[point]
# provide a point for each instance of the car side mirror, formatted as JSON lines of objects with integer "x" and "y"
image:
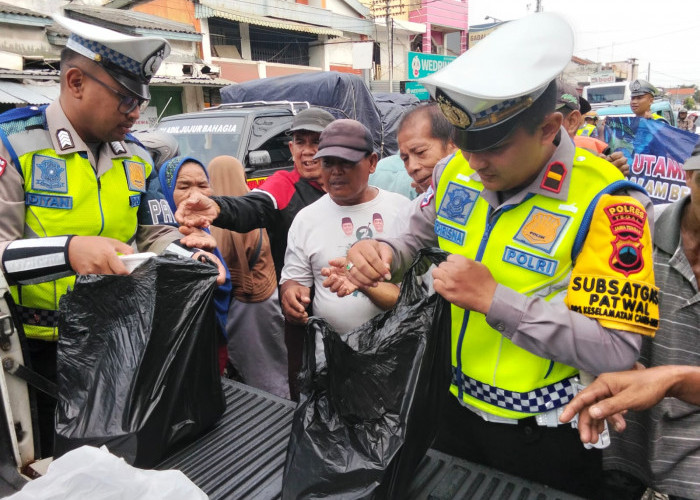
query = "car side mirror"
{"x": 259, "y": 159}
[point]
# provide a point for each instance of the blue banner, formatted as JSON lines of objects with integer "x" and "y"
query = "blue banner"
{"x": 655, "y": 152}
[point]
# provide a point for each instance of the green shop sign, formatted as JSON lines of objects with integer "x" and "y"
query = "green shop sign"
{"x": 421, "y": 65}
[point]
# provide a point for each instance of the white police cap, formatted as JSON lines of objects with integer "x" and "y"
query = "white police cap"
{"x": 484, "y": 88}
{"x": 641, "y": 87}
{"x": 131, "y": 60}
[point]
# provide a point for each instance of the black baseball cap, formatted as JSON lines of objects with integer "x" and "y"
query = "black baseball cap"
{"x": 346, "y": 139}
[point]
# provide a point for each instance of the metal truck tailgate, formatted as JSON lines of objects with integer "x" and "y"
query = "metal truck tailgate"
{"x": 243, "y": 458}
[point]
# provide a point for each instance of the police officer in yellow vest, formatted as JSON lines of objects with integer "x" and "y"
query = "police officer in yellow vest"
{"x": 642, "y": 96}
{"x": 550, "y": 272}
{"x": 588, "y": 129}
{"x": 76, "y": 188}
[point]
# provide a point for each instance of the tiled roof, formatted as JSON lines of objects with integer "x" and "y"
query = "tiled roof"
{"x": 6, "y": 8}
{"x": 129, "y": 18}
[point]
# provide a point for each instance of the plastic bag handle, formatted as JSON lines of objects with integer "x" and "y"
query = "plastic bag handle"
{"x": 411, "y": 290}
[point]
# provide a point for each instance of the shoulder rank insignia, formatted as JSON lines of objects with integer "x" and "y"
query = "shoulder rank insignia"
{"x": 135, "y": 175}
{"x": 117, "y": 148}
{"x": 554, "y": 176}
{"x": 65, "y": 141}
{"x": 49, "y": 174}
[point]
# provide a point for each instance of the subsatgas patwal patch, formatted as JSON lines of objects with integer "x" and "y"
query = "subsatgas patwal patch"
{"x": 49, "y": 174}
{"x": 627, "y": 225}
{"x": 3, "y": 165}
{"x": 135, "y": 175}
{"x": 542, "y": 229}
{"x": 625, "y": 301}
{"x": 458, "y": 203}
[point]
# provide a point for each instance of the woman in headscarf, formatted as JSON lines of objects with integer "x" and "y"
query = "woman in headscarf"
{"x": 179, "y": 177}
{"x": 255, "y": 325}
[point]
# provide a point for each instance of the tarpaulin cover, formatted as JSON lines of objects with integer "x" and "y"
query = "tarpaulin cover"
{"x": 342, "y": 94}
{"x": 367, "y": 419}
{"x": 137, "y": 360}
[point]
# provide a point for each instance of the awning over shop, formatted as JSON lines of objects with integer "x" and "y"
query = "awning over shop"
{"x": 203, "y": 11}
{"x": 18, "y": 93}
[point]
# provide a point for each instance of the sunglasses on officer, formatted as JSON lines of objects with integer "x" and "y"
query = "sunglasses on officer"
{"x": 127, "y": 103}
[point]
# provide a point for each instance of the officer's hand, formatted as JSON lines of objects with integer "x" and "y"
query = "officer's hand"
{"x": 369, "y": 262}
{"x": 295, "y": 299}
{"x": 197, "y": 211}
{"x": 465, "y": 283}
{"x": 198, "y": 238}
{"x": 337, "y": 280}
{"x": 97, "y": 255}
{"x": 203, "y": 256}
{"x": 619, "y": 160}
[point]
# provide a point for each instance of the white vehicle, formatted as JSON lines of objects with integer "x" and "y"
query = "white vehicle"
{"x": 607, "y": 94}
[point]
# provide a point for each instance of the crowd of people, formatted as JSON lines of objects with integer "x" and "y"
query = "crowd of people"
{"x": 560, "y": 270}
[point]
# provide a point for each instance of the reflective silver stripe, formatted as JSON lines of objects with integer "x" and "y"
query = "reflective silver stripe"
{"x": 30, "y": 141}
{"x": 52, "y": 241}
{"x": 38, "y": 262}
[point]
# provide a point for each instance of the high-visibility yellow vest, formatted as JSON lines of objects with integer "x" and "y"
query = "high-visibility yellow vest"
{"x": 586, "y": 130}
{"x": 528, "y": 248}
{"x": 63, "y": 196}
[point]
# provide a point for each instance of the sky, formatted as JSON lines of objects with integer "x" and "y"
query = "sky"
{"x": 664, "y": 36}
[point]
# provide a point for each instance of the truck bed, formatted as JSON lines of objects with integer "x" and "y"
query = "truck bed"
{"x": 243, "y": 458}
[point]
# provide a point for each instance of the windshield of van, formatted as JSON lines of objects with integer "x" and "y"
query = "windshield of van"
{"x": 207, "y": 138}
{"x": 605, "y": 94}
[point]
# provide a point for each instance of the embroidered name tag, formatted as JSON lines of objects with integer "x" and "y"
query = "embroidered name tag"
{"x": 542, "y": 229}
{"x": 449, "y": 233}
{"x": 49, "y": 174}
{"x": 48, "y": 201}
{"x": 530, "y": 261}
{"x": 458, "y": 202}
{"x": 134, "y": 200}
{"x": 135, "y": 175}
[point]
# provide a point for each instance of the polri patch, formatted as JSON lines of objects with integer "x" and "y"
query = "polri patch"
{"x": 554, "y": 176}
{"x": 530, "y": 261}
{"x": 450, "y": 233}
{"x": 458, "y": 203}
{"x": 627, "y": 225}
{"x": 135, "y": 175}
{"x": 135, "y": 200}
{"x": 542, "y": 229}
{"x": 49, "y": 174}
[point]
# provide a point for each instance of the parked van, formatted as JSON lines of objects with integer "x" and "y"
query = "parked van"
{"x": 607, "y": 94}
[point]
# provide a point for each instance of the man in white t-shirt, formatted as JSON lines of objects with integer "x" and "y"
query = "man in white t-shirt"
{"x": 320, "y": 232}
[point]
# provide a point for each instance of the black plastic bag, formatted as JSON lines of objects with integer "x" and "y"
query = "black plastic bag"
{"x": 137, "y": 360}
{"x": 367, "y": 419}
